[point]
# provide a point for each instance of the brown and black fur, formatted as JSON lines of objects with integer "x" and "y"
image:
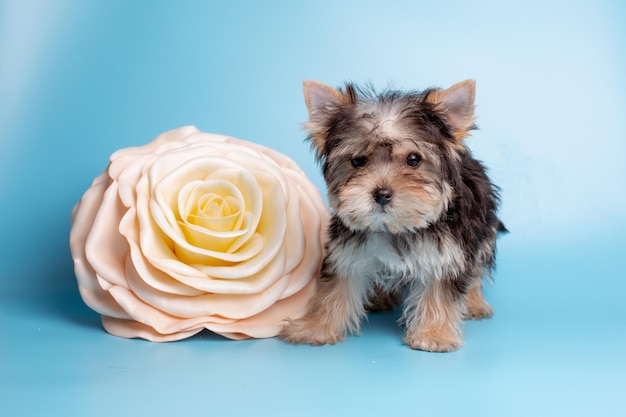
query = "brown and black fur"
{"x": 414, "y": 213}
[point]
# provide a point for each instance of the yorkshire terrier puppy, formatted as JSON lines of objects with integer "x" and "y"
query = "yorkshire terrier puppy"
{"x": 414, "y": 214}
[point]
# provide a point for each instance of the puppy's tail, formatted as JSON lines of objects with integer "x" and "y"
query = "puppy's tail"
{"x": 501, "y": 228}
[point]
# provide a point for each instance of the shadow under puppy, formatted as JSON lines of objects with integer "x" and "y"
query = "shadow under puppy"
{"x": 414, "y": 213}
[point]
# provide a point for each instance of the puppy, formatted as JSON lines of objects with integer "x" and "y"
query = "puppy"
{"x": 414, "y": 214}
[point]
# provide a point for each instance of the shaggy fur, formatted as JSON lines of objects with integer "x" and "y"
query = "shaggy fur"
{"x": 414, "y": 213}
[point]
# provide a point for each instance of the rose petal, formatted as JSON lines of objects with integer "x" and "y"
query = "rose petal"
{"x": 246, "y": 285}
{"x": 131, "y": 329}
{"x": 108, "y": 262}
{"x": 122, "y": 157}
{"x": 155, "y": 277}
{"x": 83, "y": 216}
{"x": 158, "y": 320}
{"x": 308, "y": 261}
{"x": 268, "y": 322}
{"x": 264, "y": 324}
{"x": 227, "y": 305}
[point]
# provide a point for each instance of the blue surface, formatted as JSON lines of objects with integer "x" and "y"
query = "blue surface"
{"x": 79, "y": 80}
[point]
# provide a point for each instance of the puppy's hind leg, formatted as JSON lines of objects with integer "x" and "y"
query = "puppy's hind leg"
{"x": 335, "y": 309}
{"x": 476, "y": 306}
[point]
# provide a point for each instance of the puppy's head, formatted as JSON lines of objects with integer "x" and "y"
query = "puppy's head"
{"x": 390, "y": 160}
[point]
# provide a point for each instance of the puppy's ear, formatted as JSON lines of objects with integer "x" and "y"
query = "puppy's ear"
{"x": 457, "y": 106}
{"x": 321, "y": 102}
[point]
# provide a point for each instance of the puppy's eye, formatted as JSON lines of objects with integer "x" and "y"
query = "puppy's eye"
{"x": 413, "y": 160}
{"x": 359, "y": 161}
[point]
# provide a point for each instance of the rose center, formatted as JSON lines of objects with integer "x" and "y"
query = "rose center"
{"x": 215, "y": 205}
{"x": 215, "y": 212}
{"x": 212, "y": 214}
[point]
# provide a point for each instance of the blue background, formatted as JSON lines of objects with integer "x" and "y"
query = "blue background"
{"x": 80, "y": 79}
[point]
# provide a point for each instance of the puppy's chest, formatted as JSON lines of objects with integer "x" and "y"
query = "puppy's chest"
{"x": 388, "y": 258}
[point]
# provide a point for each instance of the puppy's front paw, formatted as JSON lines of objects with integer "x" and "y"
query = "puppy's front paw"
{"x": 309, "y": 331}
{"x": 439, "y": 339}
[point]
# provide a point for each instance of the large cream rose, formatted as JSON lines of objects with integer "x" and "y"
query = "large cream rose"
{"x": 195, "y": 231}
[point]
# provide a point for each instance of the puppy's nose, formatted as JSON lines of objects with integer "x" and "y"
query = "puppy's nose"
{"x": 383, "y": 196}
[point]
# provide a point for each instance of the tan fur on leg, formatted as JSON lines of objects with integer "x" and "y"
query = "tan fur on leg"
{"x": 336, "y": 309}
{"x": 477, "y": 307}
{"x": 433, "y": 324}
